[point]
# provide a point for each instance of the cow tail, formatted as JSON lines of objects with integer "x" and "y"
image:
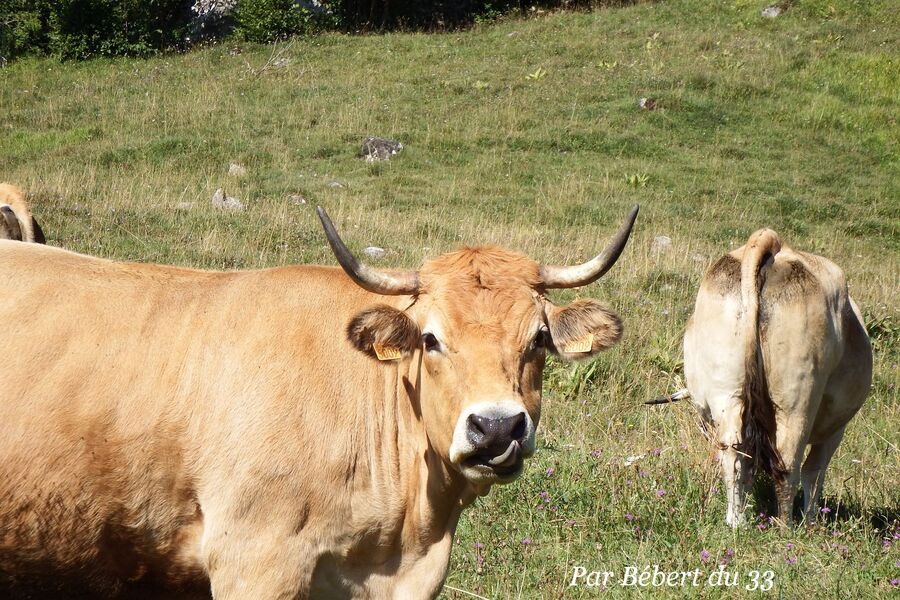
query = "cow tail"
{"x": 10, "y": 223}
{"x": 758, "y": 439}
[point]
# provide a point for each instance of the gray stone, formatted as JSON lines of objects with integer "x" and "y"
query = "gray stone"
{"x": 297, "y": 199}
{"x": 209, "y": 17}
{"x": 770, "y": 12}
{"x": 661, "y": 244}
{"x": 236, "y": 169}
{"x": 376, "y": 148}
{"x": 374, "y": 252}
{"x": 336, "y": 184}
{"x": 647, "y": 103}
{"x": 220, "y": 200}
{"x": 184, "y": 206}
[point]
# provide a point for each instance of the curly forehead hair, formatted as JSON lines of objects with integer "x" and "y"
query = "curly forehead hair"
{"x": 482, "y": 285}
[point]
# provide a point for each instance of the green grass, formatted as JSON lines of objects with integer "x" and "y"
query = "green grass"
{"x": 790, "y": 123}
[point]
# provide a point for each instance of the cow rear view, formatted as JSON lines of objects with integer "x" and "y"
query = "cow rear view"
{"x": 776, "y": 358}
{"x": 16, "y": 220}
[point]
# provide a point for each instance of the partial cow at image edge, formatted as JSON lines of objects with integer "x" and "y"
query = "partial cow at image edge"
{"x": 17, "y": 222}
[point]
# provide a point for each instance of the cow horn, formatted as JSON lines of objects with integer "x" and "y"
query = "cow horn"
{"x": 379, "y": 282}
{"x": 594, "y": 269}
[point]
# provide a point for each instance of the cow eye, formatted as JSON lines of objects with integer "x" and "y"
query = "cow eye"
{"x": 430, "y": 342}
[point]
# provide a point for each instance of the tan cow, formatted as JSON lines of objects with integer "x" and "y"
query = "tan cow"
{"x": 16, "y": 220}
{"x": 776, "y": 357}
{"x": 182, "y": 430}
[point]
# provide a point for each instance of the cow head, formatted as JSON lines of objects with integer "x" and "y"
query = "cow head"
{"x": 479, "y": 325}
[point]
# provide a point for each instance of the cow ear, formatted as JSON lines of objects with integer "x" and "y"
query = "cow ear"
{"x": 582, "y": 329}
{"x": 384, "y": 333}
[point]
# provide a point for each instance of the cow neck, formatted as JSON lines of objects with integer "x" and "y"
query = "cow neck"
{"x": 402, "y": 463}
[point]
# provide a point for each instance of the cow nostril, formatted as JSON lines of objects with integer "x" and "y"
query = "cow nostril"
{"x": 518, "y": 431}
{"x": 475, "y": 424}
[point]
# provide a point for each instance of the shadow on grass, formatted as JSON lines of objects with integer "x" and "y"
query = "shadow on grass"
{"x": 831, "y": 509}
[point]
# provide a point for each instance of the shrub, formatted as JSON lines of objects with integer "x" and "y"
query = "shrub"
{"x": 24, "y": 27}
{"x": 85, "y": 28}
{"x": 271, "y": 20}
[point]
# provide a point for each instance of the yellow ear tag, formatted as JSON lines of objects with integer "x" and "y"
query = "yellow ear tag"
{"x": 384, "y": 352}
{"x": 581, "y": 345}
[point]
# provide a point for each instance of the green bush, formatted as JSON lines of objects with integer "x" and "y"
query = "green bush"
{"x": 271, "y": 20}
{"x": 24, "y": 27}
{"x": 86, "y": 28}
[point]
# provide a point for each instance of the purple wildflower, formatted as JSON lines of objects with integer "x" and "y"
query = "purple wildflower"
{"x": 630, "y": 517}
{"x": 825, "y": 510}
{"x": 660, "y": 493}
{"x": 526, "y": 541}
{"x": 789, "y": 546}
{"x": 791, "y": 560}
{"x": 550, "y": 471}
{"x": 704, "y": 555}
{"x": 729, "y": 554}
{"x": 895, "y": 582}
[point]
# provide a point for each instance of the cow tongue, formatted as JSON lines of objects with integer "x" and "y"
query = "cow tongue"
{"x": 508, "y": 458}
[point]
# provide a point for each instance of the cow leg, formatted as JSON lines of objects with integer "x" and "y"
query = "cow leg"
{"x": 734, "y": 471}
{"x": 791, "y": 445}
{"x": 735, "y": 465}
{"x": 244, "y": 564}
{"x": 813, "y": 473}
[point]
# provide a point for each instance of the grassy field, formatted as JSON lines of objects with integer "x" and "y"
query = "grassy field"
{"x": 528, "y": 133}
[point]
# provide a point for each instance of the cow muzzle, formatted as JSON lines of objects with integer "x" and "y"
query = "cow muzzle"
{"x": 491, "y": 441}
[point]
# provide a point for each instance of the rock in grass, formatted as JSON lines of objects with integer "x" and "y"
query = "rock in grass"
{"x": 220, "y": 200}
{"x": 184, "y": 206}
{"x": 661, "y": 244}
{"x": 376, "y": 148}
{"x": 236, "y": 169}
{"x": 770, "y": 12}
{"x": 647, "y": 103}
{"x": 297, "y": 199}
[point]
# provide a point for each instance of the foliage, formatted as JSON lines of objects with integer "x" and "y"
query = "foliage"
{"x": 272, "y": 20}
{"x": 87, "y": 28}
{"x": 24, "y": 27}
{"x": 78, "y": 29}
